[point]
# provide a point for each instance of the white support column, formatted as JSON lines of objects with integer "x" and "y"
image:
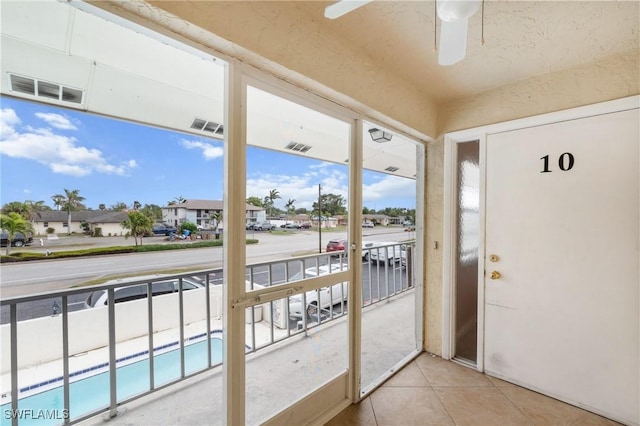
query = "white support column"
{"x": 355, "y": 238}
{"x": 234, "y": 257}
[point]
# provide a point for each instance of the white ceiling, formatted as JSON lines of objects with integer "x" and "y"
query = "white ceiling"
{"x": 522, "y": 39}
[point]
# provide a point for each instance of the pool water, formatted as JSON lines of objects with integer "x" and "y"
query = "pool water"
{"x": 92, "y": 394}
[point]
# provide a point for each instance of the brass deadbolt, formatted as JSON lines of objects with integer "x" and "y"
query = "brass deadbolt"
{"x": 494, "y": 258}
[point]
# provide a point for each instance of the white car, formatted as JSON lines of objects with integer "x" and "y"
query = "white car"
{"x": 329, "y": 296}
{"x": 134, "y": 292}
{"x": 389, "y": 252}
{"x": 367, "y": 224}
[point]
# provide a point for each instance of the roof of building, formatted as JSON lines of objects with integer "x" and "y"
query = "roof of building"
{"x": 89, "y": 216}
{"x": 206, "y": 205}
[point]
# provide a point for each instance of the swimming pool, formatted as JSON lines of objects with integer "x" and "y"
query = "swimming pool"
{"x": 91, "y": 394}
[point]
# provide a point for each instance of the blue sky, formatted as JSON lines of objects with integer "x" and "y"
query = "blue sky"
{"x": 45, "y": 149}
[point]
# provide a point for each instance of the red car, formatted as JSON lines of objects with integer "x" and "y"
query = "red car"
{"x": 336, "y": 245}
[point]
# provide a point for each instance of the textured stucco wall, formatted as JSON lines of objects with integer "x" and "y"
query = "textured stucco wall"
{"x": 616, "y": 77}
{"x": 434, "y": 208}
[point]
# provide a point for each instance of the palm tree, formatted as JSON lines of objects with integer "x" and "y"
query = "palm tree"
{"x": 217, "y": 216}
{"x": 290, "y": 207}
{"x": 139, "y": 224}
{"x": 273, "y": 196}
{"x": 70, "y": 201}
{"x": 23, "y": 209}
{"x": 14, "y": 222}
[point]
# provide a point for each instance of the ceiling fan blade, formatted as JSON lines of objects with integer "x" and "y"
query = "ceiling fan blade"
{"x": 343, "y": 7}
{"x": 453, "y": 41}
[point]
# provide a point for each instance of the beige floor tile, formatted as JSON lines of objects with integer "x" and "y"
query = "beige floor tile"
{"x": 500, "y": 383}
{"x": 355, "y": 415}
{"x": 409, "y": 376}
{"x": 406, "y": 406}
{"x": 542, "y": 410}
{"x": 440, "y": 372}
{"x": 479, "y": 406}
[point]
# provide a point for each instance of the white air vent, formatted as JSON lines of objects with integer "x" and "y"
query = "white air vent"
{"x": 207, "y": 126}
{"x": 299, "y": 147}
{"x": 44, "y": 89}
{"x": 392, "y": 169}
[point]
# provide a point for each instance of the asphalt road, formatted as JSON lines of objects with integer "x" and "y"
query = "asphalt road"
{"x": 44, "y": 276}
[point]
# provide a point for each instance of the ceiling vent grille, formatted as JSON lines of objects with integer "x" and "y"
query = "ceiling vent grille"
{"x": 43, "y": 89}
{"x": 207, "y": 126}
{"x": 299, "y": 147}
{"x": 392, "y": 169}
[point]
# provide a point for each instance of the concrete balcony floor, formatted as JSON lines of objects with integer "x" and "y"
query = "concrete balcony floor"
{"x": 427, "y": 391}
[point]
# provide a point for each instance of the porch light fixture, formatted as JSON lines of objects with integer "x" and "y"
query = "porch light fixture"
{"x": 380, "y": 136}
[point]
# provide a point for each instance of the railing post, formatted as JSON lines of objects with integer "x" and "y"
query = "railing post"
{"x": 65, "y": 359}
{"x": 207, "y": 293}
{"x": 113, "y": 406}
{"x": 150, "y": 331}
{"x": 181, "y": 302}
{"x": 13, "y": 314}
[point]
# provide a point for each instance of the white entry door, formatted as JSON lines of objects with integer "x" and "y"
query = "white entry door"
{"x": 562, "y": 261}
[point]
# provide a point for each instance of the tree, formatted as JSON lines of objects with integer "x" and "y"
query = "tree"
{"x": 255, "y": 201}
{"x": 290, "y": 207}
{"x": 218, "y": 217}
{"x": 136, "y": 205}
{"x": 23, "y": 209}
{"x": 118, "y": 206}
{"x": 13, "y": 223}
{"x": 70, "y": 201}
{"x": 102, "y": 207}
{"x": 138, "y": 224}
{"x": 272, "y": 197}
{"x": 153, "y": 210}
{"x": 332, "y": 204}
{"x": 58, "y": 201}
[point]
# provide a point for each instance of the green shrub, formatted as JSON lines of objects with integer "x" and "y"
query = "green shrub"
{"x": 50, "y": 230}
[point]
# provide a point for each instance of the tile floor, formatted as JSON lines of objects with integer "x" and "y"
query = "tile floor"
{"x": 432, "y": 391}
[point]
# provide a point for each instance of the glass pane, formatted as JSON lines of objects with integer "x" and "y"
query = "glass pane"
{"x": 128, "y": 175}
{"x": 468, "y": 222}
{"x": 388, "y": 254}
{"x": 297, "y": 188}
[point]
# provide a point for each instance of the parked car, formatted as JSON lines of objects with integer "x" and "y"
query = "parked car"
{"x": 387, "y": 253}
{"x": 19, "y": 239}
{"x": 250, "y": 226}
{"x": 306, "y": 225}
{"x": 126, "y": 294}
{"x": 328, "y": 296}
{"x": 367, "y": 224}
{"x": 292, "y": 226}
{"x": 336, "y": 245}
{"x": 264, "y": 226}
{"x": 164, "y": 230}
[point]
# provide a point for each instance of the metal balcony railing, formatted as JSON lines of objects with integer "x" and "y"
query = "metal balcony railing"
{"x": 190, "y": 303}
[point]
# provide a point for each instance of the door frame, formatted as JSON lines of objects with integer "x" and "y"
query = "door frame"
{"x": 449, "y": 256}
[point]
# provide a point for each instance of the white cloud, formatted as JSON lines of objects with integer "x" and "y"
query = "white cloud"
{"x": 302, "y": 188}
{"x": 60, "y": 153}
{"x": 388, "y": 187}
{"x": 209, "y": 152}
{"x": 56, "y": 120}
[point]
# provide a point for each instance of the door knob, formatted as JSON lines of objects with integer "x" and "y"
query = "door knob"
{"x": 495, "y": 275}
